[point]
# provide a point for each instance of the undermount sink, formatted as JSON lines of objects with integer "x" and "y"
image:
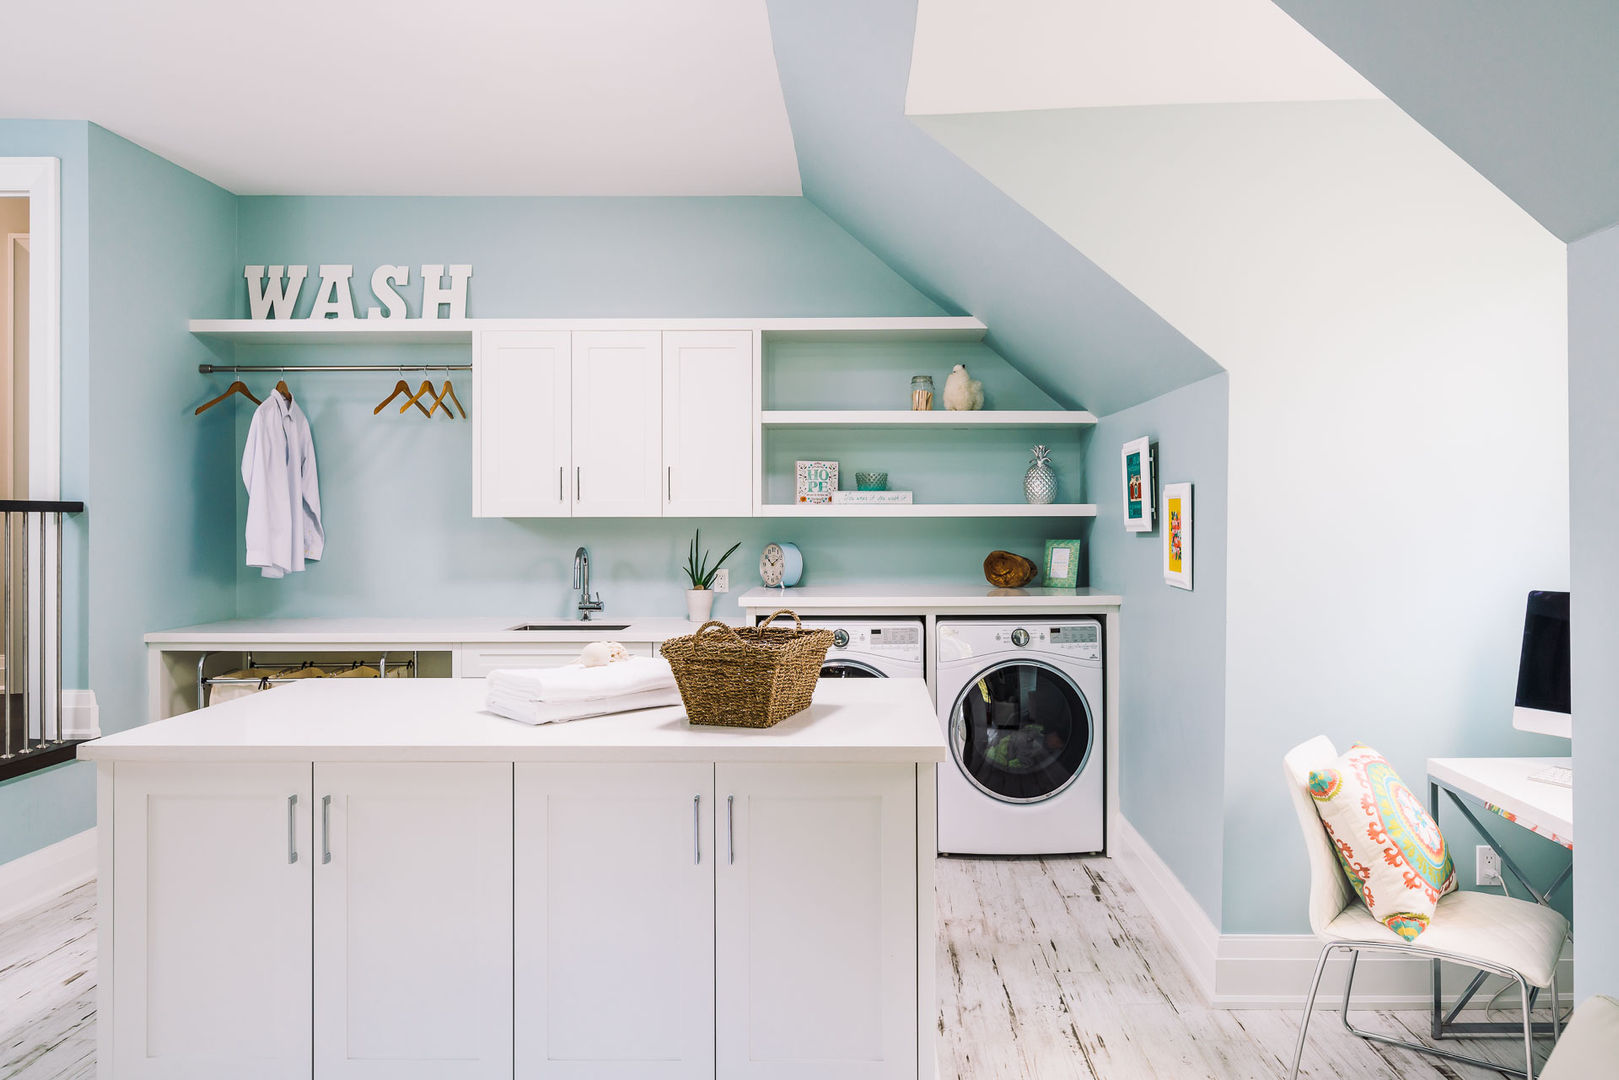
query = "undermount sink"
{"x": 577, "y": 624}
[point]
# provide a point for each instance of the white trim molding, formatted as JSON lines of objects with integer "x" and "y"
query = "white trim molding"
{"x": 39, "y": 179}
{"x": 1272, "y": 971}
{"x": 39, "y": 877}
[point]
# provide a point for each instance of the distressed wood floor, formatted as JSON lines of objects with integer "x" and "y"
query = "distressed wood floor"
{"x": 1048, "y": 969}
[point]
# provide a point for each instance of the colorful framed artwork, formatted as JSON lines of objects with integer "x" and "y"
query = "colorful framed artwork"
{"x": 1178, "y": 535}
{"x": 815, "y": 481}
{"x": 1136, "y": 463}
{"x": 1062, "y": 564}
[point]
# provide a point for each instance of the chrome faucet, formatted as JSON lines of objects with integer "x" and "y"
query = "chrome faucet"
{"x": 581, "y": 581}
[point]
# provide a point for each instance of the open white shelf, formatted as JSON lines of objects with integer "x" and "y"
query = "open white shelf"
{"x": 927, "y": 510}
{"x": 905, "y": 418}
{"x": 460, "y": 331}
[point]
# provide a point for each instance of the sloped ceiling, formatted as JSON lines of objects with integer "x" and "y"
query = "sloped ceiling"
{"x": 1526, "y": 93}
{"x": 1077, "y": 333}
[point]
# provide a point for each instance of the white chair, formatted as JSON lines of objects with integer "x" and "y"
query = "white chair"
{"x": 1590, "y": 1044}
{"x": 1487, "y": 931}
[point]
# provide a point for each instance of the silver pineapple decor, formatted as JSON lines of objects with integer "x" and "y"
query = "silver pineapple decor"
{"x": 1040, "y": 483}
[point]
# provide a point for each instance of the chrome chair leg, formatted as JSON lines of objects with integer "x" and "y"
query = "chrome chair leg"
{"x": 1557, "y": 1011}
{"x": 1349, "y": 985}
{"x": 1309, "y": 1006}
{"x": 1528, "y": 1030}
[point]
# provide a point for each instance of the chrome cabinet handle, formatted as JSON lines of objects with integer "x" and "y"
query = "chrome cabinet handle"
{"x": 576, "y": 484}
{"x": 325, "y": 828}
{"x": 696, "y": 830}
{"x": 292, "y": 828}
{"x": 560, "y": 494}
{"x": 669, "y": 483}
{"x": 730, "y": 829}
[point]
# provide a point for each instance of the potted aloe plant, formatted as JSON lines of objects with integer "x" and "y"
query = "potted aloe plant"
{"x": 700, "y": 597}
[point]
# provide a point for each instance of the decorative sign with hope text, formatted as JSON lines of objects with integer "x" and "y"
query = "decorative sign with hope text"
{"x": 275, "y": 295}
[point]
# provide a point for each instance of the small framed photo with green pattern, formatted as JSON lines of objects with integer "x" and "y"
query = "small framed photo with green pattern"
{"x": 1062, "y": 564}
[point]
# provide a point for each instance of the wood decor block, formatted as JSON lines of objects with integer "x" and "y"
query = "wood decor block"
{"x": 1007, "y": 570}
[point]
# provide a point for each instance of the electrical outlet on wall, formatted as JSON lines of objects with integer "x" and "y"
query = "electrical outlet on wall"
{"x": 722, "y": 581}
{"x": 1488, "y": 865}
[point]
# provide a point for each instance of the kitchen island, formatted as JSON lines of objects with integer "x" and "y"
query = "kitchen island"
{"x": 369, "y": 879}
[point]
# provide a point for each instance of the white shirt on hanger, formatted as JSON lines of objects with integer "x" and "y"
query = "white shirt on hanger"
{"x": 283, "y": 491}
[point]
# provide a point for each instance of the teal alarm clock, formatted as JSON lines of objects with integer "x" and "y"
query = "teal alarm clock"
{"x": 781, "y": 566}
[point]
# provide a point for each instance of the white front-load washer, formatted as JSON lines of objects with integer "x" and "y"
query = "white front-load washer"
{"x": 1022, "y": 711}
{"x": 866, "y": 648}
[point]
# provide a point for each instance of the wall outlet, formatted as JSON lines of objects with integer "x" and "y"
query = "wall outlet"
{"x": 722, "y": 581}
{"x": 1488, "y": 866}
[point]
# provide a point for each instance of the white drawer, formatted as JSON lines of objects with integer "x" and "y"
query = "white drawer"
{"x": 477, "y": 661}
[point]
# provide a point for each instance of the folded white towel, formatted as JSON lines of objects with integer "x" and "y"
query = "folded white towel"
{"x": 576, "y": 683}
{"x": 546, "y": 712}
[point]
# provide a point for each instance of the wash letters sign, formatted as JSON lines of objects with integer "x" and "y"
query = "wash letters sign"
{"x": 272, "y": 292}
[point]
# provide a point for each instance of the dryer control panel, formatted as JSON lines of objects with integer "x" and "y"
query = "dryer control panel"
{"x": 1083, "y": 640}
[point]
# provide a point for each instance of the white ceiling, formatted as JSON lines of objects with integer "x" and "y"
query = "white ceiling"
{"x": 1004, "y": 55}
{"x": 414, "y": 97}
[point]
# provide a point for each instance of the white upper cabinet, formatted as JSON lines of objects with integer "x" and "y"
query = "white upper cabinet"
{"x": 413, "y": 921}
{"x": 210, "y": 932}
{"x": 522, "y": 461}
{"x": 708, "y": 404}
{"x": 816, "y": 966}
{"x": 618, "y": 424}
{"x": 615, "y": 932}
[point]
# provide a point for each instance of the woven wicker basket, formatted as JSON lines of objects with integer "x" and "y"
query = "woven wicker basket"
{"x": 752, "y": 676}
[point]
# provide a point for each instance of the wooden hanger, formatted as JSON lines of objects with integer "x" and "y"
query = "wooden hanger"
{"x": 425, "y": 390}
{"x": 281, "y": 388}
{"x": 237, "y": 387}
{"x": 400, "y": 387}
{"x": 448, "y": 393}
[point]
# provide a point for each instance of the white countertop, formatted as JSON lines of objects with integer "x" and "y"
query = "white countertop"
{"x": 414, "y": 631}
{"x": 851, "y": 720}
{"x": 921, "y": 598}
{"x": 1504, "y": 784}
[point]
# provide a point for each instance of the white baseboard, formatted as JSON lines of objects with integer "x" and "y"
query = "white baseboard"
{"x": 81, "y": 716}
{"x": 1273, "y": 971}
{"x": 41, "y": 876}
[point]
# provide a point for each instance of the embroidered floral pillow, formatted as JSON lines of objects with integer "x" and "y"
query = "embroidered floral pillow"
{"x": 1389, "y": 846}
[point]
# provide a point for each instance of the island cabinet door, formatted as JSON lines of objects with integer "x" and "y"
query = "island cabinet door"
{"x": 615, "y": 921}
{"x": 816, "y": 922}
{"x": 413, "y": 921}
{"x": 210, "y": 903}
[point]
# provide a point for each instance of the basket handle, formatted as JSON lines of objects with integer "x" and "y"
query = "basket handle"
{"x": 798, "y": 624}
{"x": 697, "y": 638}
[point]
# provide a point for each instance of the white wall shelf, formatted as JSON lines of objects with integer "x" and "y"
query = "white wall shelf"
{"x": 927, "y": 510}
{"x": 904, "y": 418}
{"x": 454, "y": 331}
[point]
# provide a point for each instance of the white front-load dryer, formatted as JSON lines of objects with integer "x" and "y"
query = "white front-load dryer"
{"x": 1022, "y": 711}
{"x": 867, "y": 648}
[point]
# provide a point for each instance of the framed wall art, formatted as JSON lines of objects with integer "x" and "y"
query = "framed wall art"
{"x": 1136, "y": 463}
{"x": 1178, "y": 535}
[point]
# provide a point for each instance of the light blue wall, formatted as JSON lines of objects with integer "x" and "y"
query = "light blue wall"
{"x": 1172, "y": 714}
{"x": 396, "y": 490}
{"x": 48, "y": 806}
{"x": 1080, "y": 335}
{"x": 1593, "y": 390}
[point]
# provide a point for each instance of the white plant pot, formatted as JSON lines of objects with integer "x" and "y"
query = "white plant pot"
{"x": 699, "y": 604}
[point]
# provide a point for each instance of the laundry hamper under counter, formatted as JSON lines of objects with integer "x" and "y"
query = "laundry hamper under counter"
{"x": 750, "y": 676}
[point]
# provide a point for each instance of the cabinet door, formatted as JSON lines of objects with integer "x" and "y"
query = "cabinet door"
{"x": 211, "y": 922}
{"x": 477, "y": 661}
{"x": 615, "y": 945}
{"x": 708, "y": 423}
{"x": 522, "y": 408}
{"x": 413, "y": 921}
{"x": 617, "y": 424}
{"x": 816, "y": 922}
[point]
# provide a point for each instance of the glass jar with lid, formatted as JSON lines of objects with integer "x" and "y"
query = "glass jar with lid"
{"x": 922, "y": 393}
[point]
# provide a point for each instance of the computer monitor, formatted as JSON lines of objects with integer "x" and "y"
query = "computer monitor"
{"x": 1543, "y": 686}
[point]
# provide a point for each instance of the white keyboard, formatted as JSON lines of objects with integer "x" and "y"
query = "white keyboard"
{"x": 1557, "y": 775}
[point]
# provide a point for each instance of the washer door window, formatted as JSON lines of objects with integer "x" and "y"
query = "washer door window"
{"x": 849, "y": 669}
{"x": 1021, "y": 732}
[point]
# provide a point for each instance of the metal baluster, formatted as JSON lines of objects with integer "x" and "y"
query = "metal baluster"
{"x": 11, "y": 656}
{"x": 23, "y": 646}
{"x": 44, "y": 636}
{"x": 59, "y": 626}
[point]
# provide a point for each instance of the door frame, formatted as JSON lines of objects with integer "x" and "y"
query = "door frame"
{"x": 39, "y": 180}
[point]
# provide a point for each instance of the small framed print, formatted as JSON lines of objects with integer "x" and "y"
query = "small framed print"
{"x": 815, "y": 481}
{"x": 1178, "y": 535}
{"x": 1062, "y": 564}
{"x": 1136, "y": 462}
